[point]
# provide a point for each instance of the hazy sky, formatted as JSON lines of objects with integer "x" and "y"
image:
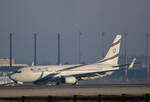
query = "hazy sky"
{"x": 91, "y": 17}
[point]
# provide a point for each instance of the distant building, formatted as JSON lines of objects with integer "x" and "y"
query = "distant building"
{"x": 5, "y": 63}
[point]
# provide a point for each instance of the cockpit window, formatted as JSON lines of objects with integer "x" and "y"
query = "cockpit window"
{"x": 18, "y": 71}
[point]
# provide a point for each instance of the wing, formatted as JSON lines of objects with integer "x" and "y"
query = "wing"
{"x": 46, "y": 79}
{"x": 86, "y": 76}
{"x": 94, "y": 75}
{"x": 101, "y": 74}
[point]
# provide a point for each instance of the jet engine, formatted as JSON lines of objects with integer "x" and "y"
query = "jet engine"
{"x": 69, "y": 80}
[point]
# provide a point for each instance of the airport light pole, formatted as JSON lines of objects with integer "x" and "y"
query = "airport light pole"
{"x": 125, "y": 55}
{"x": 102, "y": 39}
{"x": 58, "y": 56}
{"x": 147, "y": 56}
{"x": 10, "y": 45}
{"x": 80, "y": 47}
{"x": 35, "y": 46}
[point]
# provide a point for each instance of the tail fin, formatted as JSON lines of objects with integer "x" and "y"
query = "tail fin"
{"x": 113, "y": 53}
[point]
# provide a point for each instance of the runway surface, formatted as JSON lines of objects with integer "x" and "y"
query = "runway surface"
{"x": 69, "y": 90}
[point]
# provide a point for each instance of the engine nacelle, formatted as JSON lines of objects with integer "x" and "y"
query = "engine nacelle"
{"x": 69, "y": 80}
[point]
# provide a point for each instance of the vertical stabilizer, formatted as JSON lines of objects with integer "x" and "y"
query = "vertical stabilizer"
{"x": 113, "y": 53}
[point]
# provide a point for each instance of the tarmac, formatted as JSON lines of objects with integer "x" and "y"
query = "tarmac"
{"x": 70, "y": 90}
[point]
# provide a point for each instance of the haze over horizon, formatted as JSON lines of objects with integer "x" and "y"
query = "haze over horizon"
{"x": 69, "y": 17}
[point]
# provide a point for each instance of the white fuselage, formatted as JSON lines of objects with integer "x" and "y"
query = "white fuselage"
{"x": 34, "y": 73}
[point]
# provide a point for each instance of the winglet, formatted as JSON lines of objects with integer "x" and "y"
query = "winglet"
{"x": 132, "y": 64}
{"x": 32, "y": 63}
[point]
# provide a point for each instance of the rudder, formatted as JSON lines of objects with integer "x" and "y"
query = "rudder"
{"x": 113, "y": 52}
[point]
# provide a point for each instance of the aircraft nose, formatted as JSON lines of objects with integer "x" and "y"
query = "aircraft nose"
{"x": 12, "y": 77}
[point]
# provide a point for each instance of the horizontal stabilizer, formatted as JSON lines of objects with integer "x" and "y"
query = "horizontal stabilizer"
{"x": 130, "y": 65}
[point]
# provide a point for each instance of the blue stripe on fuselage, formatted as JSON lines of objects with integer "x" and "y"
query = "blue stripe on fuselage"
{"x": 70, "y": 68}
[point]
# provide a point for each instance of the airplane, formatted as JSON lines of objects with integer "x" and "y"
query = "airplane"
{"x": 72, "y": 74}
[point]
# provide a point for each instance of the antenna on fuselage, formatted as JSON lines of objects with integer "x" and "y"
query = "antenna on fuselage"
{"x": 32, "y": 63}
